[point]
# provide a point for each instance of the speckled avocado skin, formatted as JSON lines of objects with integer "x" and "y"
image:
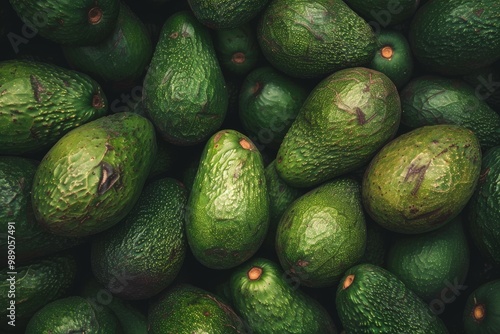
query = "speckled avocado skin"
{"x": 91, "y": 178}
{"x": 422, "y": 179}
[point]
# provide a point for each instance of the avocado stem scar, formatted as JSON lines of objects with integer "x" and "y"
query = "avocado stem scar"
{"x": 254, "y": 273}
{"x": 348, "y": 281}
{"x": 238, "y": 58}
{"x": 387, "y": 52}
{"x": 95, "y": 15}
{"x": 245, "y": 144}
{"x": 478, "y": 312}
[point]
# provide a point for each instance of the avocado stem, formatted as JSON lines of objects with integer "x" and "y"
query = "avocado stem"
{"x": 254, "y": 273}
{"x": 95, "y": 15}
{"x": 97, "y": 101}
{"x": 478, "y": 312}
{"x": 387, "y": 52}
{"x": 238, "y": 58}
{"x": 348, "y": 281}
{"x": 245, "y": 144}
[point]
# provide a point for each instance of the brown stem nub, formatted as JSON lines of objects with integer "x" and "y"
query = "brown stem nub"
{"x": 245, "y": 144}
{"x": 387, "y": 52}
{"x": 254, "y": 273}
{"x": 478, "y": 312}
{"x": 95, "y": 15}
{"x": 238, "y": 58}
{"x": 348, "y": 281}
{"x": 97, "y": 101}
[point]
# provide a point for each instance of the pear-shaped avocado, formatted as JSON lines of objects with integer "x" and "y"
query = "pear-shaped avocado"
{"x": 91, "y": 178}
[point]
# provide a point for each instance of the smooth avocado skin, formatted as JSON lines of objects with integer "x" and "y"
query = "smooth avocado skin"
{"x": 383, "y": 13}
{"x": 303, "y": 38}
{"x": 482, "y": 310}
{"x": 346, "y": 118}
{"x": 455, "y": 37}
{"x": 148, "y": 247}
{"x": 422, "y": 179}
{"x": 91, "y": 178}
{"x": 32, "y": 241}
{"x": 73, "y": 315}
{"x": 184, "y": 89}
{"x": 370, "y": 299}
{"x": 270, "y": 302}
{"x": 226, "y": 14}
{"x": 227, "y": 214}
{"x": 188, "y": 309}
{"x": 431, "y": 99}
{"x": 483, "y": 209}
{"x": 69, "y": 22}
{"x": 322, "y": 233}
{"x": 428, "y": 263}
{"x": 42, "y": 102}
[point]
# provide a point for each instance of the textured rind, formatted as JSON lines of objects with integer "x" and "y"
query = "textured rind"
{"x": 483, "y": 211}
{"x": 225, "y": 14}
{"x": 430, "y": 100}
{"x": 427, "y": 263}
{"x": 274, "y": 304}
{"x": 422, "y": 179}
{"x": 66, "y": 21}
{"x": 39, "y": 103}
{"x": 383, "y": 13}
{"x": 487, "y": 295}
{"x": 309, "y": 39}
{"x": 378, "y": 302}
{"x": 73, "y": 315}
{"x": 184, "y": 90}
{"x": 91, "y": 178}
{"x": 16, "y": 179}
{"x": 228, "y": 208}
{"x": 39, "y": 283}
{"x": 148, "y": 247}
{"x": 188, "y": 309}
{"x": 345, "y": 120}
{"x": 455, "y": 37}
{"x": 323, "y": 233}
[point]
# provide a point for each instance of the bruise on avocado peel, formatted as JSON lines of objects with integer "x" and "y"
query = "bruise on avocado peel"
{"x": 109, "y": 176}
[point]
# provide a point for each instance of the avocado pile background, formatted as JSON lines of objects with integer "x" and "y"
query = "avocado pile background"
{"x": 180, "y": 161}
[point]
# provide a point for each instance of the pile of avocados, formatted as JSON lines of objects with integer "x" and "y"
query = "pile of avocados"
{"x": 250, "y": 166}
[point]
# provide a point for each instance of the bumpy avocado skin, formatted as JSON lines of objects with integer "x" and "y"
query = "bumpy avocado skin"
{"x": 344, "y": 121}
{"x": 455, "y": 37}
{"x": 422, "y": 179}
{"x": 41, "y": 102}
{"x": 91, "y": 178}
{"x": 184, "y": 89}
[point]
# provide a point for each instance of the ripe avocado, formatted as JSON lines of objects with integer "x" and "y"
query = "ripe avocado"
{"x": 422, "y": 179}
{"x": 311, "y": 39}
{"x": 228, "y": 208}
{"x": 482, "y": 311}
{"x": 148, "y": 247}
{"x": 91, "y": 178}
{"x": 346, "y": 118}
{"x": 322, "y": 233}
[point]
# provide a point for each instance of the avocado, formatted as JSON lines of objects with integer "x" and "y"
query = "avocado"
{"x": 17, "y": 217}
{"x": 184, "y": 90}
{"x": 36, "y": 284}
{"x": 41, "y": 102}
{"x": 226, "y": 14}
{"x": 73, "y": 315}
{"x": 269, "y": 102}
{"x": 189, "y": 309}
{"x": 370, "y": 300}
{"x": 486, "y": 84}
{"x": 122, "y": 57}
{"x": 227, "y": 213}
{"x": 384, "y": 13}
{"x": 455, "y": 37}
{"x": 430, "y": 99}
{"x": 237, "y": 49}
{"x": 148, "y": 247}
{"x": 322, "y": 233}
{"x": 482, "y": 310}
{"x": 346, "y": 118}
{"x": 394, "y": 57}
{"x": 269, "y": 303}
{"x": 312, "y": 39}
{"x": 422, "y": 179}
{"x": 428, "y": 263}
{"x": 69, "y": 22}
{"x": 91, "y": 178}
{"x": 483, "y": 210}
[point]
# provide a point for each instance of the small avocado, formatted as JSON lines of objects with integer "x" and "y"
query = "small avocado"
{"x": 482, "y": 310}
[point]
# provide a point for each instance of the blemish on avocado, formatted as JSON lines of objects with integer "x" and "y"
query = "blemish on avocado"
{"x": 37, "y": 88}
{"x": 108, "y": 178}
{"x": 419, "y": 173}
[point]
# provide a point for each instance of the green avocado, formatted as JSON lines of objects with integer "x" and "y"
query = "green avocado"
{"x": 455, "y": 37}
{"x": 370, "y": 300}
{"x": 184, "y": 90}
{"x": 42, "y": 102}
{"x": 227, "y": 214}
{"x": 422, "y": 179}
{"x": 383, "y": 13}
{"x": 148, "y": 247}
{"x": 344, "y": 121}
{"x": 91, "y": 178}
{"x": 482, "y": 310}
{"x": 311, "y": 39}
